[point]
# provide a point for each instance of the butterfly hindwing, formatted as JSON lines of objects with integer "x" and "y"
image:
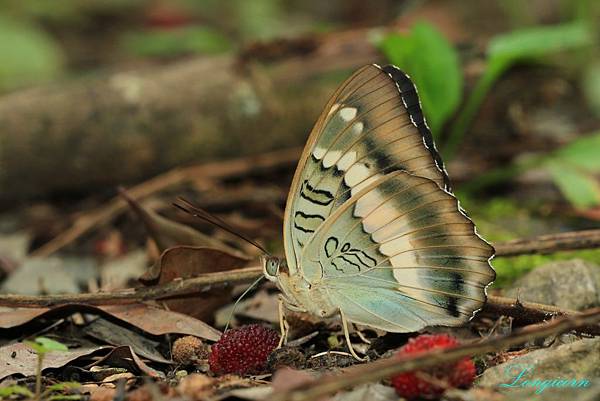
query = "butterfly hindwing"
{"x": 400, "y": 250}
{"x": 372, "y": 125}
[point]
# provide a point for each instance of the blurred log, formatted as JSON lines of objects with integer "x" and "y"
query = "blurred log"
{"x": 120, "y": 128}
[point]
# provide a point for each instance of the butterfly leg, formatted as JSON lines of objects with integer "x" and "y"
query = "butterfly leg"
{"x": 347, "y": 336}
{"x": 284, "y": 327}
{"x": 361, "y": 335}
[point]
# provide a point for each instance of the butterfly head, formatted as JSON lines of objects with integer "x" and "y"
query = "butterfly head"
{"x": 271, "y": 266}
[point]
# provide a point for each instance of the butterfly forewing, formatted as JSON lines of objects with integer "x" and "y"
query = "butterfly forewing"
{"x": 372, "y": 125}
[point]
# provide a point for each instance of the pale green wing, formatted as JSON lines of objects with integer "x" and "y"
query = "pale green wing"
{"x": 399, "y": 255}
{"x": 372, "y": 125}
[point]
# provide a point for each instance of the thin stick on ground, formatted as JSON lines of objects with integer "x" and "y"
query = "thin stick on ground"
{"x": 501, "y": 304}
{"x": 544, "y": 244}
{"x": 172, "y": 289}
{"x": 385, "y": 368}
{"x": 525, "y": 313}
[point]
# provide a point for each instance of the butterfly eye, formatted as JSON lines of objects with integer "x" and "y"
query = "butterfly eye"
{"x": 271, "y": 267}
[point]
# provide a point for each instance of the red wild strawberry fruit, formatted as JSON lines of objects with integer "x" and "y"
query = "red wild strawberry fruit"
{"x": 431, "y": 383}
{"x": 243, "y": 350}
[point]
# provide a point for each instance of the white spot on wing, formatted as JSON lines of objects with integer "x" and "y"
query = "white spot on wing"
{"x": 357, "y": 173}
{"x": 331, "y": 158}
{"x": 368, "y": 202}
{"x": 408, "y": 277}
{"x": 348, "y": 113}
{"x": 319, "y": 152}
{"x": 358, "y": 127}
{"x": 395, "y": 246}
{"x": 396, "y": 225}
{"x": 346, "y": 161}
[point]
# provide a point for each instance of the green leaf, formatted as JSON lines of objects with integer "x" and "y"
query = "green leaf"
{"x": 38, "y": 348}
{"x": 29, "y": 54}
{"x": 43, "y": 345}
{"x": 536, "y": 42}
{"x": 15, "y": 390}
{"x": 177, "y": 42}
{"x": 51, "y": 345}
{"x": 433, "y": 64}
{"x": 62, "y": 386}
{"x": 582, "y": 190}
{"x": 583, "y": 153}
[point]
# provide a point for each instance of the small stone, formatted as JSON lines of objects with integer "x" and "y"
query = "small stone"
{"x": 189, "y": 350}
{"x": 516, "y": 378}
{"x": 572, "y": 284}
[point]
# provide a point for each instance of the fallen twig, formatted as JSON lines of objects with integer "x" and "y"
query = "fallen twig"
{"x": 384, "y": 368}
{"x": 544, "y": 244}
{"x": 503, "y": 305}
{"x": 525, "y": 313}
{"x": 175, "y": 288}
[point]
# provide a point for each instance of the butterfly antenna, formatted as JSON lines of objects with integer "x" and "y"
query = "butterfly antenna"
{"x": 188, "y": 207}
{"x": 254, "y": 284}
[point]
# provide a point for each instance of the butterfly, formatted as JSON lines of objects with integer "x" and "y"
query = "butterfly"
{"x": 372, "y": 230}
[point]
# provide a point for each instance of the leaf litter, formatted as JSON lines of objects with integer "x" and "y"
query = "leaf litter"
{"x": 134, "y": 339}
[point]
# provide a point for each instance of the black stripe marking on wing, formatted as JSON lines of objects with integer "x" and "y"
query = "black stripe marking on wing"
{"x": 307, "y": 217}
{"x": 315, "y": 195}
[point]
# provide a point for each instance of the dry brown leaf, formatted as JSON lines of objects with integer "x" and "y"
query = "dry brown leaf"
{"x": 181, "y": 262}
{"x": 113, "y": 334}
{"x": 158, "y": 321}
{"x": 161, "y": 321}
{"x": 12, "y": 317}
{"x": 18, "y": 358}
